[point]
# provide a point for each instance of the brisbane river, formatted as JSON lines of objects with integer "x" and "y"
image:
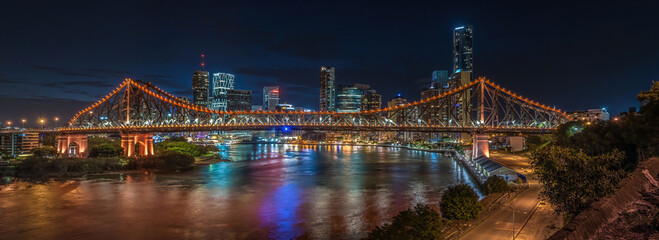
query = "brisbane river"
{"x": 268, "y": 191}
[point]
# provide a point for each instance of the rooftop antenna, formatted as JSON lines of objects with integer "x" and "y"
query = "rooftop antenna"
{"x": 202, "y": 62}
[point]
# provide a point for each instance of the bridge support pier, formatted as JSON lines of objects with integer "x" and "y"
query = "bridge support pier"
{"x": 137, "y": 144}
{"x": 481, "y": 146}
{"x": 72, "y": 145}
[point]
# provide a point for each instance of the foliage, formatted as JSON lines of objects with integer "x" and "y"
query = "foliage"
{"x": 495, "y": 184}
{"x": 420, "y": 222}
{"x": 36, "y": 166}
{"x": 49, "y": 139}
{"x": 460, "y": 202}
{"x": 104, "y": 147}
{"x": 44, "y": 152}
{"x": 168, "y": 160}
{"x": 180, "y": 145}
{"x": 106, "y": 150}
{"x": 572, "y": 179}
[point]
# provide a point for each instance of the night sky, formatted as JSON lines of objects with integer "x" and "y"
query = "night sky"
{"x": 57, "y": 57}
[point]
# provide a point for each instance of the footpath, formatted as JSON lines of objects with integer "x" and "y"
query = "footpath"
{"x": 525, "y": 215}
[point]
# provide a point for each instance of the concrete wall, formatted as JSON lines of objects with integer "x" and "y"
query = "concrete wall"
{"x": 590, "y": 221}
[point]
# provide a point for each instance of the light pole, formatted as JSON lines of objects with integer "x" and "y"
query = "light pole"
{"x": 56, "y": 120}
{"x": 23, "y": 121}
{"x": 43, "y": 123}
{"x": 8, "y": 124}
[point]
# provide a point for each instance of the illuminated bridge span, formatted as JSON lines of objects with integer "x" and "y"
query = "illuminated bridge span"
{"x": 136, "y": 108}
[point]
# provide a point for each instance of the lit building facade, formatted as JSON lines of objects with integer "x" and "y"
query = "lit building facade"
{"x": 591, "y": 115}
{"x": 396, "y": 116}
{"x": 327, "y": 89}
{"x": 239, "y": 100}
{"x": 200, "y": 88}
{"x": 371, "y": 100}
{"x": 349, "y": 97}
{"x": 463, "y": 56}
{"x": 460, "y": 106}
{"x": 19, "y": 143}
{"x": 435, "y": 112}
{"x": 222, "y": 82}
{"x": 270, "y": 98}
{"x": 439, "y": 79}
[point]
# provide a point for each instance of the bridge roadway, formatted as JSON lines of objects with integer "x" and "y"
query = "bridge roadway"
{"x": 317, "y": 127}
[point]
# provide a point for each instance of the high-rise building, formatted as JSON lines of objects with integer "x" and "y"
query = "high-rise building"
{"x": 439, "y": 79}
{"x": 460, "y": 106}
{"x": 371, "y": 100}
{"x": 239, "y": 100}
{"x": 222, "y": 82}
{"x": 19, "y": 142}
{"x": 433, "y": 114}
{"x": 200, "y": 88}
{"x": 327, "y": 89}
{"x": 463, "y": 56}
{"x": 270, "y": 98}
{"x": 396, "y": 116}
{"x": 349, "y": 97}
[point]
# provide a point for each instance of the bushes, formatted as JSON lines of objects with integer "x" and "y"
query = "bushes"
{"x": 495, "y": 184}
{"x": 106, "y": 150}
{"x": 63, "y": 166}
{"x": 460, "y": 202}
{"x": 168, "y": 160}
{"x": 183, "y": 147}
{"x": 44, "y": 152}
{"x": 421, "y": 222}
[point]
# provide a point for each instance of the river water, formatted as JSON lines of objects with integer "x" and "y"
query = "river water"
{"x": 267, "y": 192}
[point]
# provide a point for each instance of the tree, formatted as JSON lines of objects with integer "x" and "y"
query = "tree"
{"x": 106, "y": 150}
{"x": 460, "y": 202}
{"x": 495, "y": 184}
{"x": 420, "y": 222}
{"x": 44, "y": 152}
{"x": 572, "y": 179}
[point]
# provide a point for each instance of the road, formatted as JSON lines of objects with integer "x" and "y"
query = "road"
{"x": 499, "y": 225}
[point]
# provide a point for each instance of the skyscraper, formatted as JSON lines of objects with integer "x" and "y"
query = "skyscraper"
{"x": 463, "y": 56}
{"x": 327, "y": 89}
{"x": 222, "y": 82}
{"x": 349, "y": 97}
{"x": 439, "y": 79}
{"x": 239, "y": 100}
{"x": 371, "y": 100}
{"x": 270, "y": 98}
{"x": 200, "y": 88}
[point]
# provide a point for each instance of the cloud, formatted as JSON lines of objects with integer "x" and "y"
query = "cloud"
{"x": 65, "y": 72}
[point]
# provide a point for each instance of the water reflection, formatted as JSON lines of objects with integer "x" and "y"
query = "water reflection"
{"x": 268, "y": 191}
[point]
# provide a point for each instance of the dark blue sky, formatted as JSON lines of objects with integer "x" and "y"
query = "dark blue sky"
{"x": 55, "y": 57}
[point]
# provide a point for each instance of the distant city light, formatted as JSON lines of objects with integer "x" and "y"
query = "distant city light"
{"x": 458, "y": 28}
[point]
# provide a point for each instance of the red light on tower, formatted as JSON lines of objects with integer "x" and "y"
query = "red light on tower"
{"x": 275, "y": 91}
{"x": 202, "y": 62}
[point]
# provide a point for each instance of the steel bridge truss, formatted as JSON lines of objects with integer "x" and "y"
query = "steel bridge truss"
{"x": 481, "y": 105}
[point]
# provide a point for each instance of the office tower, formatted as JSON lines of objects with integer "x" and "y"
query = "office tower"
{"x": 327, "y": 89}
{"x": 463, "y": 56}
{"x": 270, "y": 98}
{"x": 349, "y": 97}
{"x": 433, "y": 114}
{"x": 239, "y": 100}
{"x": 371, "y": 100}
{"x": 439, "y": 79}
{"x": 200, "y": 88}
{"x": 222, "y": 82}
{"x": 460, "y": 106}
{"x": 396, "y": 116}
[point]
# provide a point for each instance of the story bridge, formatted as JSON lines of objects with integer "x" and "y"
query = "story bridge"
{"x": 136, "y": 110}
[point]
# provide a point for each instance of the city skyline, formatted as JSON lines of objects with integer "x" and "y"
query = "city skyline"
{"x": 78, "y": 73}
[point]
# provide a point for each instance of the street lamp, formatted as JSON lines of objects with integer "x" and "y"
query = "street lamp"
{"x": 56, "y": 119}
{"x": 43, "y": 123}
{"x": 23, "y": 121}
{"x": 8, "y": 124}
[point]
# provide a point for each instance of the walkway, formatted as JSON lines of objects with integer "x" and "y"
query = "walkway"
{"x": 499, "y": 225}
